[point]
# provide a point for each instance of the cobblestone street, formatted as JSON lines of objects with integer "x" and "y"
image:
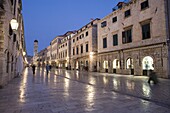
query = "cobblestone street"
{"x": 79, "y": 92}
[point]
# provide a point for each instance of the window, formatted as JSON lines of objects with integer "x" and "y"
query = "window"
{"x": 10, "y": 30}
{"x": 87, "y": 33}
{"x": 144, "y": 5}
{"x": 77, "y": 50}
{"x": 14, "y": 37}
{"x": 82, "y": 36}
{"x": 73, "y": 51}
{"x": 81, "y": 48}
{"x": 114, "y": 19}
{"x": 104, "y": 24}
{"x": 12, "y": 2}
{"x": 104, "y": 42}
{"x": 87, "y": 47}
{"x": 66, "y": 53}
{"x": 127, "y": 13}
{"x": 146, "y": 31}
{"x": 115, "y": 40}
{"x": 73, "y": 40}
{"x": 127, "y": 36}
{"x": 77, "y": 38}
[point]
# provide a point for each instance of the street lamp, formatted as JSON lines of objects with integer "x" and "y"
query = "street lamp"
{"x": 24, "y": 53}
{"x": 14, "y": 24}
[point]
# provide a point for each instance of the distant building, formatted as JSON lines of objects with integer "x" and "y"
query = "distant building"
{"x": 84, "y": 47}
{"x": 55, "y": 50}
{"x": 29, "y": 59}
{"x": 42, "y": 55}
{"x": 64, "y": 50}
{"x": 35, "y": 57}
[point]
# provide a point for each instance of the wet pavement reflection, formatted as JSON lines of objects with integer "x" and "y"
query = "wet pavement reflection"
{"x": 136, "y": 86}
{"x": 65, "y": 91}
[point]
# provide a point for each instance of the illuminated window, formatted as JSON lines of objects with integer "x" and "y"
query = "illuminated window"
{"x": 105, "y": 64}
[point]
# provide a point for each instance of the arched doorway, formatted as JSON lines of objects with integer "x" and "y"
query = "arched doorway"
{"x": 147, "y": 64}
{"x": 129, "y": 65}
{"x": 77, "y": 65}
{"x": 116, "y": 65}
{"x": 105, "y": 66}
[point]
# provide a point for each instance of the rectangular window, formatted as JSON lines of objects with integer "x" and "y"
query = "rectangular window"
{"x": 14, "y": 37}
{"x": 87, "y": 33}
{"x": 144, "y": 5}
{"x": 10, "y": 30}
{"x": 104, "y": 24}
{"x": 115, "y": 40}
{"x": 87, "y": 47}
{"x": 127, "y": 36}
{"x": 66, "y": 53}
{"x": 127, "y": 13}
{"x": 81, "y": 48}
{"x": 77, "y": 50}
{"x": 77, "y": 38}
{"x": 73, "y": 40}
{"x": 146, "y": 31}
{"x": 114, "y": 19}
{"x": 73, "y": 51}
{"x": 12, "y": 2}
{"x": 104, "y": 42}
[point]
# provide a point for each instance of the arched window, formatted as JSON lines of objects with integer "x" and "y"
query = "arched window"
{"x": 147, "y": 63}
{"x": 129, "y": 63}
{"x": 116, "y": 64}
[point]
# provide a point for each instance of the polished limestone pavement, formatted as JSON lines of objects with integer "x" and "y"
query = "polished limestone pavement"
{"x": 65, "y": 91}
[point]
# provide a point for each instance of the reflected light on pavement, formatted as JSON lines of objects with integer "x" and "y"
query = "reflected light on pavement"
{"x": 90, "y": 96}
{"x": 66, "y": 84}
{"x": 23, "y": 86}
{"x": 92, "y": 80}
{"x": 105, "y": 80}
{"x": 130, "y": 85}
{"x": 146, "y": 90}
{"x": 55, "y": 79}
{"x": 115, "y": 83}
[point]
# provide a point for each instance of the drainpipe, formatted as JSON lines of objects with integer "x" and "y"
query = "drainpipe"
{"x": 167, "y": 17}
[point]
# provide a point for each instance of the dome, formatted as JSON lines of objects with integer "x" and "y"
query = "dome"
{"x": 35, "y": 40}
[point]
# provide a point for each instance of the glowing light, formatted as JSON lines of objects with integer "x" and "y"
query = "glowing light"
{"x": 146, "y": 90}
{"x": 14, "y": 24}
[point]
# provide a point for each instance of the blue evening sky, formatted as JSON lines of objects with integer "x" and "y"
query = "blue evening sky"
{"x": 45, "y": 19}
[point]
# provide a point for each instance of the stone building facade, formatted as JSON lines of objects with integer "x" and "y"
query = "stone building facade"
{"x": 42, "y": 55}
{"x": 64, "y": 50}
{"x": 12, "y": 43}
{"x": 134, "y": 38}
{"x": 84, "y": 47}
{"x": 48, "y": 54}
